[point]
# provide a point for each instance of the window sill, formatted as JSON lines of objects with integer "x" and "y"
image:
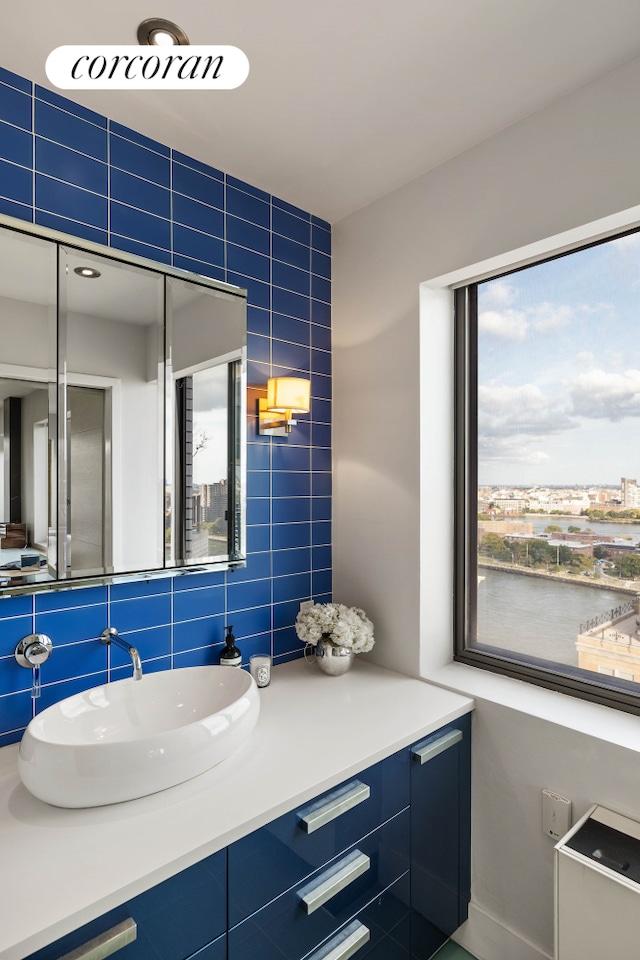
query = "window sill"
{"x": 592, "y": 719}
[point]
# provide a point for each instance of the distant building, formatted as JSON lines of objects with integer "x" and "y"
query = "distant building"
{"x": 214, "y": 501}
{"x": 503, "y": 527}
{"x": 630, "y": 494}
{"x": 610, "y": 644}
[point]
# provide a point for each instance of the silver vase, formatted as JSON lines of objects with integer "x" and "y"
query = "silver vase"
{"x": 334, "y": 660}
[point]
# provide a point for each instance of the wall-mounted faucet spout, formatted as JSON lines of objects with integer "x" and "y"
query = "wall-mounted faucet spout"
{"x": 111, "y": 635}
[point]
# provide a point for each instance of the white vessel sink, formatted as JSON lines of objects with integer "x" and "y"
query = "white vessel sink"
{"x": 135, "y": 737}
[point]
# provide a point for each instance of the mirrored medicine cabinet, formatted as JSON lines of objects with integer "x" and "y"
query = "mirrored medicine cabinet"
{"x": 122, "y": 414}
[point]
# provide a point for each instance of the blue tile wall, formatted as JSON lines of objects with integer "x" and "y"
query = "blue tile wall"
{"x": 66, "y": 167}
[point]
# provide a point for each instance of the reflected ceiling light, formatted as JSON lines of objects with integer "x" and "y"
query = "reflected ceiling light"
{"x": 285, "y": 396}
{"x": 161, "y": 33}
{"x": 87, "y": 272}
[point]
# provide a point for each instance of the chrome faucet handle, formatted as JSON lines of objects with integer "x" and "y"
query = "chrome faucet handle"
{"x": 33, "y": 650}
{"x": 108, "y": 635}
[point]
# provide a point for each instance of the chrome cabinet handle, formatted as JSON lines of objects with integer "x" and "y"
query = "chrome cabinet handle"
{"x": 335, "y": 879}
{"x": 106, "y": 943}
{"x": 334, "y": 806}
{"x": 431, "y": 748}
{"x": 345, "y": 944}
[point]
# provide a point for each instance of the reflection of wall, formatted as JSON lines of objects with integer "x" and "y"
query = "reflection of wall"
{"x": 24, "y": 333}
{"x": 86, "y": 468}
{"x": 35, "y": 407}
{"x": 108, "y": 348}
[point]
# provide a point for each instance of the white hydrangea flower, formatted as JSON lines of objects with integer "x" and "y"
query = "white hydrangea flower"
{"x": 336, "y": 624}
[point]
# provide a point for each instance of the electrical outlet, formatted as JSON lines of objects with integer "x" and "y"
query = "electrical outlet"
{"x": 305, "y": 604}
{"x": 556, "y": 815}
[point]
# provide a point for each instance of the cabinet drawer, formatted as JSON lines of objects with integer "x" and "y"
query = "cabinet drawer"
{"x": 269, "y": 861}
{"x": 174, "y": 919}
{"x": 311, "y": 912}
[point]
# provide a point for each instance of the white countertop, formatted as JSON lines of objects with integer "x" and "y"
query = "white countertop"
{"x": 61, "y": 868}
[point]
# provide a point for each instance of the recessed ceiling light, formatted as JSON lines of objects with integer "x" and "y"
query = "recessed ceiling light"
{"x": 161, "y": 33}
{"x": 87, "y": 272}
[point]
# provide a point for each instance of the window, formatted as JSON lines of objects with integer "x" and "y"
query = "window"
{"x": 548, "y": 472}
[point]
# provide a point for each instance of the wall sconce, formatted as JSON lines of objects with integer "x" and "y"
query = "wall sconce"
{"x": 285, "y": 396}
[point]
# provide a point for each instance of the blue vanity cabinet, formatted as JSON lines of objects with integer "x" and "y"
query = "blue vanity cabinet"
{"x": 440, "y": 835}
{"x": 174, "y": 920}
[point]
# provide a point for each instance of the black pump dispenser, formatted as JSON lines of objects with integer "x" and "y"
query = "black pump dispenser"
{"x": 230, "y": 656}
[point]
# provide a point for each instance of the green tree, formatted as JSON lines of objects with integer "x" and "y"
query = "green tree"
{"x": 627, "y": 567}
{"x": 553, "y": 528}
{"x": 494, "y": 546}
{"x": 572, "y": 529}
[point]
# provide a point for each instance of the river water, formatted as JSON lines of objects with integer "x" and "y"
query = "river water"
{"x": 540, "y": 523}
{"x": 538, "y": 617}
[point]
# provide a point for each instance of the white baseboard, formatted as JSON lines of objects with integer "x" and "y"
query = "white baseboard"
{"x": 487, "y": 938}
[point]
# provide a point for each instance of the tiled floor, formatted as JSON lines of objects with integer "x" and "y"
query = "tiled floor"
{"x": 451, "y": 951}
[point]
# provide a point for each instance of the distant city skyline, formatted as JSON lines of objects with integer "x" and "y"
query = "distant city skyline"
{"x": 559, "y": 370}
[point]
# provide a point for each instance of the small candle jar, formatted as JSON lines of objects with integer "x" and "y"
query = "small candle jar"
{"x": 260, "y": 669}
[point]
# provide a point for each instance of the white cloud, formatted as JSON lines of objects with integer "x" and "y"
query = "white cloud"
{"x": 546, "y": 317}
{"x": 598, "y": 394}
{"x": 513, "y": 422}
{"x": 510, "y": 324}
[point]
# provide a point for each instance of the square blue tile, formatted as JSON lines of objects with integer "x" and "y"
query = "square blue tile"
{"x": 15, "y": 182}
{"x": 321, "y": 433}
{"x": 321, "y": 508}
{"x": 15, "y": 711}
{"x": 140, "y": 249}
{"x": 258, "y": 348}
{"x": 321, "y": 239}
{"x": 285, "y": 642}
{"x": 258, "y": 321}
{"x": 290, "y": 355}
{"x": 321, "y": 582}
{"x": 258, "y": 539}
{"x": 198, "y": 267}
{"x": 284, "y": 614}
{"x": 205, "y": 656}
{"x": 321, "y": 533}
{"x": 291, "y": 484}
{"x": 71, "y": 167}
{"x": 189, "y": 581}
{"x": 144, "y": 163}
{"x": 290, "y": 278}
{"x": 73, "y": 625}
{"x": 318, "y": 222}
{"x": 258, "y": 293}
{"x": 321, "y": 264}
{"x": 181, "y": 158}
{"x": 247, "y": 188}
{"x": 194, "y": 184}
{"x": 320, "y": 288}
{"x": 71, "y": 202}
{"x": 138, "y": 138}
{"x": 291, "y": 561}
{"x": 246, "y": 234}
{"x": 135, "y": 589}
{"x": 258, "y": 456}
{"x": 292, "y": 227}
{"x": 321, "y": 485}
{"x": 15, "y": 107}
{"x": 15, "y": 607}
{"x": 75, "y": 660}
{"x": 321, "y": 410}
{"x": 249, "y": 622}
{"x": 6, "y": 76}
{"x": 190, "y": 634}
{"x": 295, "y": 254}
{"x": 197, "y": 603}
{"x": 321, "y": 313}
{"x": 151, "y": 642}
{"x": 320, "y": 337}
{"x": 321, "y": 558}
{"x": 13, "y": 678}
{"x": 321, "y": 386}
{"x": 291, "y": 509}
{"x": 67, "y": 599}
{"x": 199, "y": 216}
{"x": 143, "y": 194}
{"x": 18, "y": 210}
{"x": 259, "y": 643}
{"x": 56, "y": 100}
{"x": 241, "y": 204}
{"x": 248, "y": 263}
{"x": 287, "y": 536}
{"x": 290, "y": 329}
{"x": 258, "y": 568}
{"x": 142, "y": 227}
{"x": 258, "y": 510}
{"x": 154, "y": 611}
{"x": 290, "y": 458}
{"x": 242, "y": 596}
{"x": 289, "y": 207}
{"x": 296, "y": 586}
{"x": 321, "y": 459}
{"x": 199, "y": 246}
{"x": 70, "y": 131}
{"x": 291, "y": 304}
{"x": 258, "y": 483}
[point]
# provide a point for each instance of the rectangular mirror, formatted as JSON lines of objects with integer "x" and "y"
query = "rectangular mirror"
{"x": 122, "y": 414}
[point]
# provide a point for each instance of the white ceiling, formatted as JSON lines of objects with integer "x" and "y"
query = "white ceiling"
{"x": 346, "y": 99}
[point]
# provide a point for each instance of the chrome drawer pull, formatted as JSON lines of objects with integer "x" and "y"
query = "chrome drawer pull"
{"x": 334, "y": 880}
{"x": 334, "y": 806}
{"x": 431, "y": 749}
{"x": 345, "y": 944}
{"x": 107, "y": 943}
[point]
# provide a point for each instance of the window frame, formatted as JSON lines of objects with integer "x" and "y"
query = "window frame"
{"x": 557, "y": 677}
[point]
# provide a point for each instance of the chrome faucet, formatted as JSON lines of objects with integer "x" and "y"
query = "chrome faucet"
{"x": 111, "y": 635}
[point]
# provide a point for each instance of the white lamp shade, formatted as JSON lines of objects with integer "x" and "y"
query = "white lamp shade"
{"x": 288, "y": 394}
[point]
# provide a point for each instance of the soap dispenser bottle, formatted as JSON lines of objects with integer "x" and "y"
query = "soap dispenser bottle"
{"x": 230, "y": 656}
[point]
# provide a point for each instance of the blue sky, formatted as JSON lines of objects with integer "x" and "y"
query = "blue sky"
{"x": 559, "y": 370}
